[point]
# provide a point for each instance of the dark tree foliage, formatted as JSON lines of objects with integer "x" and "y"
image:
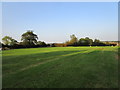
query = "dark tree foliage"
{"x": 0, "y": 45}
{"x": 41, "y": 44}
{"x": 29, "y": 39}
{"x": 9, "y": 41}
{"x": 73, "y": 41}
{"x": 52, "y": 45}
{"x": 85, "y": 42}
{"x": 98, "y": 43}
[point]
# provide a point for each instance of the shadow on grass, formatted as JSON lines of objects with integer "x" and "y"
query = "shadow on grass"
{"x": 14, "y": 63}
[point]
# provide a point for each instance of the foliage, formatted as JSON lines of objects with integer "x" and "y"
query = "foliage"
{"x": 9, "y": 41}
{"x": 0, "y": 45}
{"x": 42, "y": 44}
{"x": 85, "y": 41}
{"x": 73, "y": 41}
{"x": 29, "y": 38}
{"x": 60, "y": 45}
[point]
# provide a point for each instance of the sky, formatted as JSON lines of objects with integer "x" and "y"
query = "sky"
{"x": 56, "y": 21}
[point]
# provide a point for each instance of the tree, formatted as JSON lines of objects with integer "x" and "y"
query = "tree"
{"x": 43, "y": 44}
{"x": 13, "y": 42}
{"x": 9, "y": 41}
{"x": 85, "y": 41}
{"x": 29, "y": 38}
{"x": 67, "y": 42}
{"x": 6, "y": 40}
{"x": 73, "y": 41}
{"x": 88, "y": 41}
{"x": 0, "y": 45}
{"x": 82, "y": 42}
{"x": 96, "y": 42}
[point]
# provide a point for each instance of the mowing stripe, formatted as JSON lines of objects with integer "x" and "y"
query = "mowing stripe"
{"x": 55, "y": 58}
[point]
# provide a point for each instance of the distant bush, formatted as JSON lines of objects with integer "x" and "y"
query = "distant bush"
{"x": 60, "y": 45}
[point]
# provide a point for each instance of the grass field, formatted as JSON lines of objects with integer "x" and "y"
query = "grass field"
{"x": 61, "y": 67}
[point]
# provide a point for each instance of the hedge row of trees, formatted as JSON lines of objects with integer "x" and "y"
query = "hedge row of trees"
{"x": 29, "y": 39}
{"x": 84, "y": 42}
{"x": 74, "y": 41}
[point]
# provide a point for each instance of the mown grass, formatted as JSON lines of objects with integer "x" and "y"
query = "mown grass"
{"x": 61, "y": 67}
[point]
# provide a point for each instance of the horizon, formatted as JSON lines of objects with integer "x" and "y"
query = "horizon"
{"x": 56, "y": 21}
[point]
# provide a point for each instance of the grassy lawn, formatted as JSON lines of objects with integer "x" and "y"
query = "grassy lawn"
{"x": 61, "y": 67}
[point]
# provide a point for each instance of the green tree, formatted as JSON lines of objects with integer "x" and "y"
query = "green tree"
{"x": 82, "y": 42}
{"x": 88, "y": 41}
{"x": 6, "y": 40}
{"x": 85, "y": 41}
{"x": 13, "y": 42}
{"x": 96, "y": 42}
{"x": 73, "y": 40}
{"x": 0, "y": 45}
{"x": 9, "y": 41}
{"x": 29, "y": 38}
{"x": 41, "y": 43}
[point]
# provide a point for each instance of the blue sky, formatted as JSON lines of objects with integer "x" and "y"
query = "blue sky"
{"x": 56, "y": 21}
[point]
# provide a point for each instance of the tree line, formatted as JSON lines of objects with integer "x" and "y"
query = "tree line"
{"x": 30, "y": 40}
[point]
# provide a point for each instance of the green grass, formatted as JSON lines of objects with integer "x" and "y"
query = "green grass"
{"x": 61, "y": 67}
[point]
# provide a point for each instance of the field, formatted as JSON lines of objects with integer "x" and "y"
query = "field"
{"x": 61, "y": 67}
